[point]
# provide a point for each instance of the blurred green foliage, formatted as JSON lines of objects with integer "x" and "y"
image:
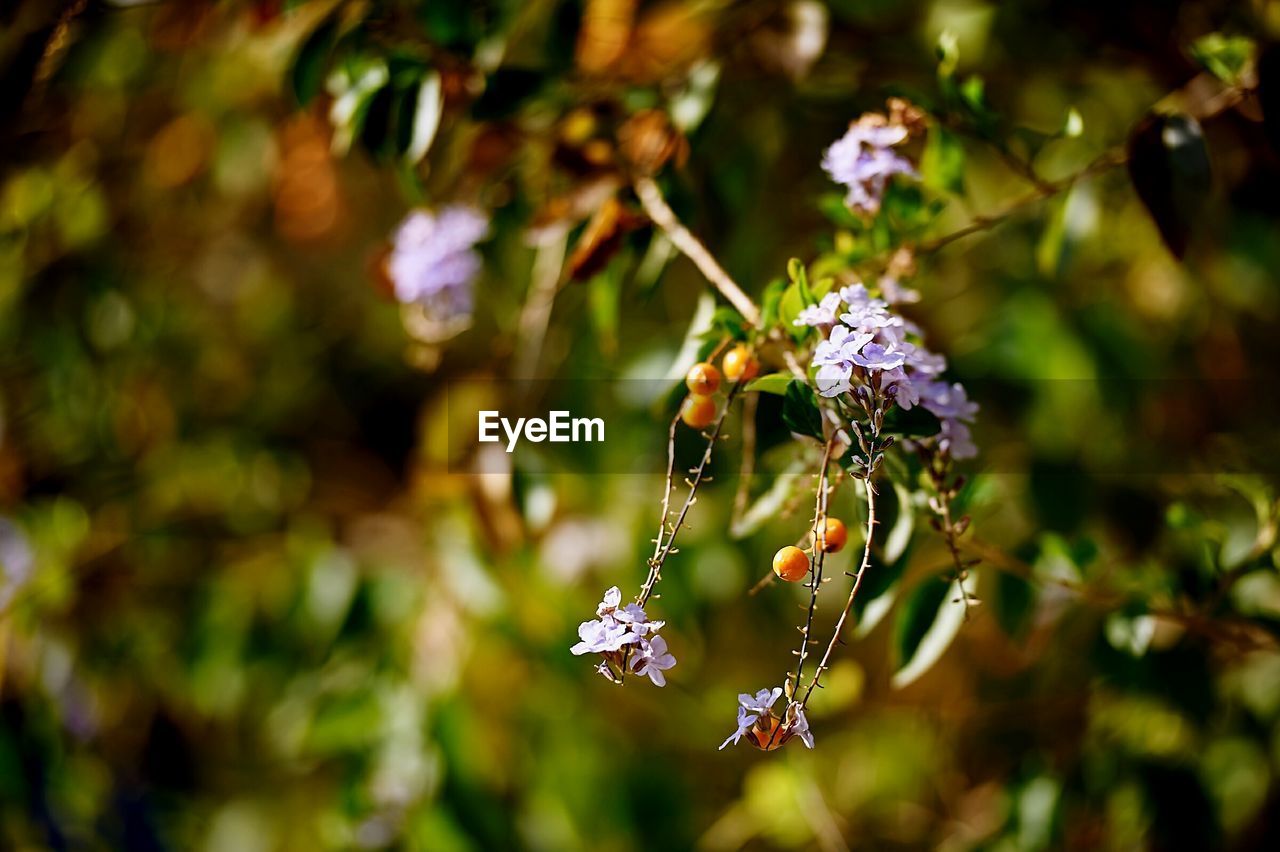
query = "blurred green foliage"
{"x": 251, "y": 598}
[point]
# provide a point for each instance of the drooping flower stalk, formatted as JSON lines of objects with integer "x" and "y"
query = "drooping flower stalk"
{"x": 664, "y": 546}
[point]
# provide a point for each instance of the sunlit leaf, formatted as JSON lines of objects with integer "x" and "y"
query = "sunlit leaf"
{"x": 427, "y": 109}
{"x": 930, "y": 618}
{"x": 775, "y": 383}
{"x": 942, "y": 166}
{"x": 1225, "y": 57}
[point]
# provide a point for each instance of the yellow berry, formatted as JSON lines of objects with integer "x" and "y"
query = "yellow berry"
{"x": 698, "y": 411}
{"x": 739, "y": 365}
{"x": 791, "y": 564}
{"x": 703, "y": 379}
{"x": 835, "y": 536}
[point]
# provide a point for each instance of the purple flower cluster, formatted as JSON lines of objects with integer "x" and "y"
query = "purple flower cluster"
{"x": 762, "y": 728}
{"x": 870, "y": 339}
{"x": 626, "y": 638}
{"x": 433, "y": 260}
{"x": 863, "y": 160}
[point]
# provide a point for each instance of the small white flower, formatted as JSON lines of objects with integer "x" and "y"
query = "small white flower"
{"x": 745, "y": 721}
{"x": 653, "y": 659}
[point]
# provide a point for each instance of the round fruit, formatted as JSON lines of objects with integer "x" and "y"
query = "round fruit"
{"x": 703, "y": 379}
{"x": 698, "y": 411}
{"x": 767, "y": 733}
{"x": 835, "y": 536}
{"x": 791, "y": 564}
{"x": 739, "y": 365}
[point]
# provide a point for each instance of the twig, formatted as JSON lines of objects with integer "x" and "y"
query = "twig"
{"x": 1045, "y": 189}
{"x": 824, "y": 663}
{"x": 663, "y": 549}
{"x": 663, "y": 216}
{"x": 819, "y": 554}
{"x": 873, "y": 404}
{"x": 936, "y": 464}
{"x": 670, "y": 484}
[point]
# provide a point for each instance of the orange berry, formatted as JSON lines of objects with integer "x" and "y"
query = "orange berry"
{"x": 791, "y": 564}
{"x": 739, "y": 365}
{"x": 698, "y": 411}
{"x": 835, "y": 536}
{"x": 703, "y": 379}
{"x": 765, "y": 734}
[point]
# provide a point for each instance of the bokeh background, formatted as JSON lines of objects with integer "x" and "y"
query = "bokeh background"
{"x": 252, "y": 598}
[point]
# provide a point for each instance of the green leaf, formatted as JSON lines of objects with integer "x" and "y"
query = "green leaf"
{"x": 695, "y": 346}
{"x": 423, "y": 118}
{"x": 770, "y": 504}
{"x": 773, "y": 383}
{"x": 1015, "y": 603}
{"x": 927, "y": 623}
{"x": 604, "y": 296}
{"x": 800, "y": 277}
{"x": 1225, "y": 57}
{"x": 727, "y": 321}
{"x": 879, "y": 591}
{"x": 790, "y": 304}
{"x": 942, "y": 166}
{"x": 800, "y": 410}
{"x": 312, "y": 60}
{"x": 899, "y": 535}
{"x": 1049, "y": 250}
{"x": 770, "y": 302}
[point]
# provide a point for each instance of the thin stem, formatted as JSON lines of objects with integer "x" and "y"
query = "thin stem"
{"x": 666, "y": 492}
{"x": 873, "y": 405}
{"x": 663, "y": 216}
{"x": 662, "y": 548}
{"x": 1044, "y": 189}
{"x": 853, "y": 592}
{"x": 819, "y": 554}
{"x": 950, "y": 532}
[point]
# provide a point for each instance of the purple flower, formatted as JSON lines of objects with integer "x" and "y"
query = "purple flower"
{"x": 948, "y": 402}
{"x": 612, "y": 598}
{"x": 925, "y": 362}
{"x": 765, "y": 729}
{"x": 762, "y": 701}
{"x": 600, "y": 637}
{"x": 745, "y": 721}
{"x": 653, "y": 660}
{"x": 863, "y": 161}
{"x": 905, "y": 394}
{"x": 877, "y": 356}
{"x": 16, "y": 560}
{"x": 823, "y": 313}
{"x": 895, "y": 294}
{"x": 954, "y": 438}
{"x": 798, "y": 726}
{"x": 834, "y": 358}
{"x": 865, "y": 313}
{"x": 626, "y": 638}
{"x": 433, "y": 261}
